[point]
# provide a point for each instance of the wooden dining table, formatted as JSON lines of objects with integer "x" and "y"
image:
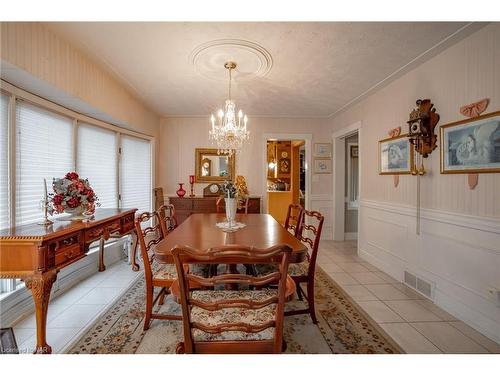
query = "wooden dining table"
{"x": 199, "y": 231}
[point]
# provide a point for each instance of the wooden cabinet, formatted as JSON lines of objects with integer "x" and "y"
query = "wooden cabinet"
{"x": 187, "y": 206}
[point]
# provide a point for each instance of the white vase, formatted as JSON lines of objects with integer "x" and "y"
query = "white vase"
{"x": 75, "y": 214}
{"x": 231, "y": 205}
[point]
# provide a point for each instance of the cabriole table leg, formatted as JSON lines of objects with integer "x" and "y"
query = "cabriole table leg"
{"x": 40, "y": 286}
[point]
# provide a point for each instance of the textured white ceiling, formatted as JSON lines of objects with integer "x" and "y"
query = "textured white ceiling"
{"x": 287, "y": 70}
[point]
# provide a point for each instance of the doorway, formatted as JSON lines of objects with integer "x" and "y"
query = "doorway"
{"x": 346, "y": 182}
{"x": 286, "y": 173}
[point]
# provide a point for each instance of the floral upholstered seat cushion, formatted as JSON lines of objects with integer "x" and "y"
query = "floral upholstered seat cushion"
{"x": 233, "y": 315}
{"x": 164, "y": 271}
{"x": 294, "y": 269}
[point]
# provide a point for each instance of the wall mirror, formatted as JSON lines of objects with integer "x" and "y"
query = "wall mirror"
{"x": 211, "y": 167}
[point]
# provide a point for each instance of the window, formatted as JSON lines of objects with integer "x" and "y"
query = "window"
{"x": 49, "y": 144}
{"x": 44, "y": 149}
{"x": 97, "y": 147}
{"x": 135, "y": 173}
{"x": 4, "y": 161}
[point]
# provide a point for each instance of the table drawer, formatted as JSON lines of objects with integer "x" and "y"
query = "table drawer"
{"x": 65, "y": 254}
{"x": 104, "y": 230}
{"x": 204, "y": 205}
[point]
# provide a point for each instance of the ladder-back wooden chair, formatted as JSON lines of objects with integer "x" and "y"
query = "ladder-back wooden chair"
{"x": 309, "y": 233}
{"x": 294, "y": 218}
{"x": 233, "y": 321}
{"x": 167, "y": 214}
{"x": 150, "y": 231}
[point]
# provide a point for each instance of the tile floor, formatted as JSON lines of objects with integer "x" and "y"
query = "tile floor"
{"x": 412, "y": 321}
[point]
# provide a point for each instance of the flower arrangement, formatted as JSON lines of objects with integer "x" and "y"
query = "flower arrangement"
{"x": 229, "y": 189}
{"x": 72, "y": 194}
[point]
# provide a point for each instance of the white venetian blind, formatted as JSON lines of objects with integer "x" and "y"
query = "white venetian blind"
{"x": 96, "y": 160}
{"x": 4, "y": 164}
{"x": 44, "y": 149}
{"x": 135, "y": 173}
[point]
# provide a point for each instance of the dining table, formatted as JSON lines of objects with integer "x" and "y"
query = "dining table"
{"x": 200, "y": 232}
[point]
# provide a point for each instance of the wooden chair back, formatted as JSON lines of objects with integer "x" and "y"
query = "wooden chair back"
{"x": 294, "y": 218}
{"x": 167, "y": 214}
{"x": 233, "y": 254}
{"x": 159, "y": 199}
{"x": 150, "y": 230}
{"x": 309, "y": 233}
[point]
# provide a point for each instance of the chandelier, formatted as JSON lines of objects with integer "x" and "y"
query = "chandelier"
{"x": 228, "y": 132}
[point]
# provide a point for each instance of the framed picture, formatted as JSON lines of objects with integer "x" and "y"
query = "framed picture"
{"x": 354, "y": 151}
{"x": 472, "y": 145}
{"x": 322, "y": 150}
{"x": 322, "y": 166}
{"x": 395, "y": 155}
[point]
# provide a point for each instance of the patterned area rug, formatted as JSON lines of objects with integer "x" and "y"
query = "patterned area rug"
{"x": 342, "y": 327}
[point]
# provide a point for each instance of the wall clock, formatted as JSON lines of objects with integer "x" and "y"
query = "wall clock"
{"x": 212, "y": 190}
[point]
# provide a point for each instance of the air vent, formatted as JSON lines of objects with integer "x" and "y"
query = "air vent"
{"x": 418, "y": 284}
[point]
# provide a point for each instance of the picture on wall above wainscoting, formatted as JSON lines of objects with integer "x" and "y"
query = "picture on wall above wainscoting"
{"x": 322, "y": 166}
{"x": 395, "y": 155}
{"x": 472, "y": 145}
{"x": 322, "y": 150}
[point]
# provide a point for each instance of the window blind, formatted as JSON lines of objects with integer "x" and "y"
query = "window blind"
{"x": 44, "y": 149}
{"x": 96, "y": 160}
{"x": 4, "y": 164}
{"x": 135, "y": 173}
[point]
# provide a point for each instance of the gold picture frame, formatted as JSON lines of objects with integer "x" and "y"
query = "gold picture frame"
{"x": 403, "y": 151}
{"x": 467, "y": 144}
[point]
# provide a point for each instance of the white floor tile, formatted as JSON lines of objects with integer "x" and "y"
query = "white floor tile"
{"x": 77, "y": 316}
{"x": 53, "y": 312}
{"x": 330, "y": 267}
{"x": 380, "y": 312}
{"x": 386, "y": 292}
{"x": 411, "y": 311}
{"x": 70, "y": 296}
{"x": 409, "y": 338}
{"x": 100, "y": 296}
{"x": 482, "y": 340}
{"x": 448, "y": 338}
{"x": 367, "y": 278}
{"x": 359, "y": 293}
{"x": 351, "y": 267}
{"x": 342, "y": 278}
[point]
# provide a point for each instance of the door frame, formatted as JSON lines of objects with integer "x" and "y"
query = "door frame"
{"x": 338, "y": 184}
{"x": 286, "y": 137}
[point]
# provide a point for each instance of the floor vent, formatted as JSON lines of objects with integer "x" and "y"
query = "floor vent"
{"x": 420, "y": 285}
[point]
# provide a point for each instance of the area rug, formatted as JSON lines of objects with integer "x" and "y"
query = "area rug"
{"x": 342, "y": 327}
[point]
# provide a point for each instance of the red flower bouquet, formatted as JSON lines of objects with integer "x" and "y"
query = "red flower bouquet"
{"x": 73, "y": 195}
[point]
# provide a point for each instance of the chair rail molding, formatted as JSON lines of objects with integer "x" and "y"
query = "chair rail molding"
{"x": 458, "y": 254}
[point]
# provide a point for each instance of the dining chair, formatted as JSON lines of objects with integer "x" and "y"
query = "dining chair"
{"x": 233, "y": 321}
{"x": 309, "y": 233}
{"x": 294, "y": 218}
{"x": 151, "y": 230}
{"x": 167, "y": 214}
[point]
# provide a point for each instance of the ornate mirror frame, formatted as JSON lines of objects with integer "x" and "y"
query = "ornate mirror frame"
{"x": 200, "y": 153}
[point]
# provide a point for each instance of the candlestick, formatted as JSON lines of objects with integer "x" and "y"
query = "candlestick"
{"x": 191, "y": 181}
{"x": 45, "y": 203}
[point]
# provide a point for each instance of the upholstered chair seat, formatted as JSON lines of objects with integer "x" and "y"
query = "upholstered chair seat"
{"x": 233, "y": 314}
{"x": 294, "y": 269}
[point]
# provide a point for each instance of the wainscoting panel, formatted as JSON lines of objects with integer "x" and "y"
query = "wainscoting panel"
{"x": 324, "y": 204}
{"x": 458, "y": 254}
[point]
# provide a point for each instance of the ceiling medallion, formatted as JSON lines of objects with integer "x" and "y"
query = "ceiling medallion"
{"x": 253, "y": 59}
{"x": 229, "y": 133}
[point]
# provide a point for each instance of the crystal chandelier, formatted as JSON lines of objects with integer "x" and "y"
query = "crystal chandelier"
{"x": 228, "y": 132}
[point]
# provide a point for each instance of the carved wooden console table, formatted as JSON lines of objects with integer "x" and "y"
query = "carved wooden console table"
{"x": 35, "y": 254}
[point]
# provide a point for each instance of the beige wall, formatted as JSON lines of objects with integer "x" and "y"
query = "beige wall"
{"x": 457, "y": 250}
{"x": 180, "y": 136}
{"x": 462, "y": 74}
{"x": 35, "y": 49}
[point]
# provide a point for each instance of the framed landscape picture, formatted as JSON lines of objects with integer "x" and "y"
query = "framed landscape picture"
{"x": 323, "y": 150}
{"x": 322, "y": 166}
{"x": 472, "y": 145}
{"x": 395, "y": 155}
